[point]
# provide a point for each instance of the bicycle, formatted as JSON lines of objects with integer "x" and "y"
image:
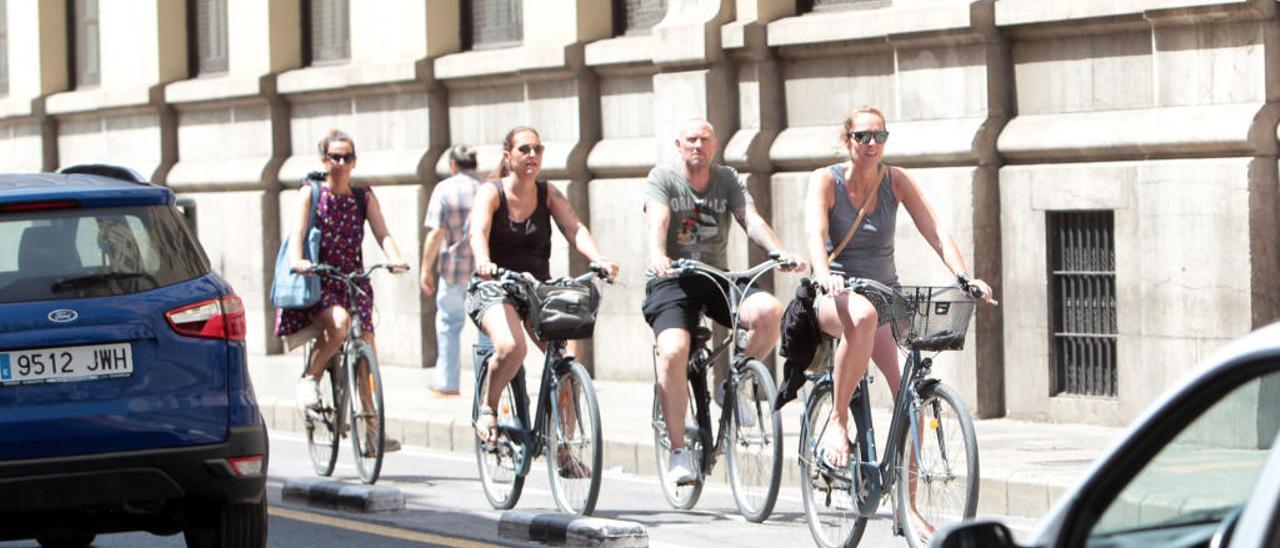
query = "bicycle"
{"x": 566, "y": 429}
{"x": 752, "y": 440}
{"x": 929, "y": 433}
{"x": 344, "y": 406}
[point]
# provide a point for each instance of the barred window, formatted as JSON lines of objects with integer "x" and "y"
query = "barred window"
{"x": 488, "y": 24}
{"x": 806, "y": 6}
{"x": 637, "y": 16}
{"x": 83, "y": 37}
{"x": 1082, "y": 300}
{"x": 326, "y": 31}
{"x": 207, "y": 36}
{"x": 4, "y": 47}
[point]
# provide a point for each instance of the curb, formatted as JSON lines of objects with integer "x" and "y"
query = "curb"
{"x": 335, "y": 495}
{"x": 569, "y": 530}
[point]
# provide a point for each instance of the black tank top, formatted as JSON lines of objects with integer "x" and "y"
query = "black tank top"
{"x": 522, "y": 246}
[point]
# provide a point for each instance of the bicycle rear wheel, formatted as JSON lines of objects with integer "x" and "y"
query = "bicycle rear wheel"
{"x": 323, "y": 424}
{"x": 937, "y": 466}
{"x": 500, "y": 462}
{"x": 574, "y": 447}
{"x": 755, "y": 442}
{"x": 829, "y": 504}
{"x": 680, "y": 497}
{"x": 368, "y": 424}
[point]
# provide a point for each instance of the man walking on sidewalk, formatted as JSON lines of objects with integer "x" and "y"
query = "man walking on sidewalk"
{"x": 446, "y": 245}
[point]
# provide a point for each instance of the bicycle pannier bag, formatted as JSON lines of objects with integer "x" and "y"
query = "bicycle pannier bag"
{"x": 290, "y": 289}
{"x": 563, "y": 310}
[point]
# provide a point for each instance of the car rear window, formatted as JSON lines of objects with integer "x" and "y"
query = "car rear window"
{"x": 95, "y": 252}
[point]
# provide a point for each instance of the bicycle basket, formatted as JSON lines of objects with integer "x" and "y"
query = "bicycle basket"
{"x": 939, "y": 318}
{"x": 563, "y": 310}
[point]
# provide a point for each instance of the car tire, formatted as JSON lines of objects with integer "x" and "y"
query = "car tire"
{"x": 227, "y": 525}
{"x": 77, "y": 541}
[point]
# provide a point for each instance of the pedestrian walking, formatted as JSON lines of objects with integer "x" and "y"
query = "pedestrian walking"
{"x": 446, "y": 252}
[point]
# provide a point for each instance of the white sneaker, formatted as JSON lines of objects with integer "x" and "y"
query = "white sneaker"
{"x": 308, "y": 392}
{"x": 678, "y": 470}
{"x": 746, "y": 411}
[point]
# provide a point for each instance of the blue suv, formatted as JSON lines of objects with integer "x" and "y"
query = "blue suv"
{"x": 125, "y": 399}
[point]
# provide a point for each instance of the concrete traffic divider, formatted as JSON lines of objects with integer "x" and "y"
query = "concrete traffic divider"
{"x": 569, "y": 530}
{"x": 336, "y": 495}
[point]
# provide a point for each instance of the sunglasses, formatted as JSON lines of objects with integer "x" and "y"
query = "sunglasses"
{"x": 341, "y": 158}
{"x": 525, "y": 148}
{"x": 864, "y": 137}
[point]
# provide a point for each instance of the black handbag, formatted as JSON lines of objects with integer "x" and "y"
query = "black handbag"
{"x": 564, "y": 310}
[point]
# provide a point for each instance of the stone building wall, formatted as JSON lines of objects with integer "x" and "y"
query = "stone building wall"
{"x": 1163, "y": 112}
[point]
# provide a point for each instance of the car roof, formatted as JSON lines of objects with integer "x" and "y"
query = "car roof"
{"x": 96, "y": 186}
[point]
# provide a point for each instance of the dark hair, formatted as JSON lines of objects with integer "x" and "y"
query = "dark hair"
{"x": 335, "y": 135}
{"x": 463, "y": 155}
{"x": 848, "y": 122}
{"x": 508, "y": 143}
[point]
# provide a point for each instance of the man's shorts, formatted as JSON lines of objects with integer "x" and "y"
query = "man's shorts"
{"x": 680, "y": 301}
{"x": 483, "y": 294}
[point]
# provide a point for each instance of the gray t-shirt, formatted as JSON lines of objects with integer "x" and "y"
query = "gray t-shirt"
{"x": 699, "y": 227}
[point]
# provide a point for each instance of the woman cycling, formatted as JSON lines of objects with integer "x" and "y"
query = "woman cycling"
{"x": 340, "y": 216}
{"x": 835, "y": 195}
{"x": 511, "y": 228}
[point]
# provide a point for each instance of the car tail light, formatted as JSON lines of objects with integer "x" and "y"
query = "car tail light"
{"x": 246, "y": 466}
{"x": 220, "y": 318}
{"x": 36, "y": 206}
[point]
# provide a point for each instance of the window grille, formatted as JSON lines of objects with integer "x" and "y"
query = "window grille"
{"x": 1083, "y": 302}
{"x": 4, "y": 47}
{"x": 207, "y": 33}
{"x": 83, "y": 37}
{"x": 806, "y": 6}
{"x": 326, "y": 31}
{"x": 637, "y": 16}
{"x": 489, "y": 24}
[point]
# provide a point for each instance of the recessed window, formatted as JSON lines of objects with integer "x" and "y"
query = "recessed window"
{"x": 207, "y": 32}
{"x": 1082, "y": 301}
{"x": 326, "y": 31}
{"x": 83, "y": 35}
{"x": 632, "y": 17}
{"x": 489, "y": 24}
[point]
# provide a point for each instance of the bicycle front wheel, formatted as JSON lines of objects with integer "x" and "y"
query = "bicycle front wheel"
{"x": 574, "y": 447}
{"x": 368, "y": 424}
{"x": 323, "y": 423}
{"x": 755, "y": 442}
{"x": 937, "y": 466}
{"x": 500, "y": 461}
{"x": 829, "y": 500}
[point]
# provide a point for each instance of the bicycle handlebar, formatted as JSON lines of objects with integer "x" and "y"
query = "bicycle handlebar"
{"x": 685, "y": 267}
{"x": 330, "y": 271}
{"x": 595, "y": 270}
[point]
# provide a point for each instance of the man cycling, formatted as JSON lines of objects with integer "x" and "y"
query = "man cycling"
{"x": 687, "y": 210}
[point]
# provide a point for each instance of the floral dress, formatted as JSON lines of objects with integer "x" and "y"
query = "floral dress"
{"x": 341, "y": 239}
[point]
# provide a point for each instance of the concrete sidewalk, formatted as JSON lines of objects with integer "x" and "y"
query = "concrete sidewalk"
{"x": 1024, "y": 466}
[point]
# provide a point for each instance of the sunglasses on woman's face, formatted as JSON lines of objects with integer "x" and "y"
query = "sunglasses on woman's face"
{"x": 525, "y": 148}
{"x": 864, "y": 137}
{"x": 341, "y": 158}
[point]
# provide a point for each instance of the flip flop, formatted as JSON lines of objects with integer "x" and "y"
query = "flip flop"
{"x": 828, "y": 450}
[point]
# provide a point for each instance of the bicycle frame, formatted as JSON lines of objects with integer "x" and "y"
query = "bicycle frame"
{"x": 873, "y": 478}
{"x": 532, "y": 440}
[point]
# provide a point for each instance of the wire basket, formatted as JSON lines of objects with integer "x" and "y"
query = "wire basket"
{"x": 935, "y": 319}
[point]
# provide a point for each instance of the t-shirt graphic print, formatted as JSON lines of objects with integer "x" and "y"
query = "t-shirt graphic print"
{"x": 699, "y": 227}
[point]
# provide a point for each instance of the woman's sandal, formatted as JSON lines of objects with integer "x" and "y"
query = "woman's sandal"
{"x": 828, "y": 450}
{"x": 572, "y": 468}
{"x": 486, "y": 425}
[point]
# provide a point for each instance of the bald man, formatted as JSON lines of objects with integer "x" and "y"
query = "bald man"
{"x": 687, "y": 209}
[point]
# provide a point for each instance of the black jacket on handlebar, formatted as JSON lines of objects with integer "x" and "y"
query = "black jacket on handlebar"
{"x": 800, "y": 339}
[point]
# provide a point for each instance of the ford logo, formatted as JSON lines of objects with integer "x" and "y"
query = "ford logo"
{"x": 63, "y": 315}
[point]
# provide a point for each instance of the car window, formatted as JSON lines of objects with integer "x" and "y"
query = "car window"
{"x": 94, "y": 252}
{"x": 1205, "y": 473}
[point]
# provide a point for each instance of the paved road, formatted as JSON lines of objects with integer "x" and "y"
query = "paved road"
{"x": 445, "y": 506}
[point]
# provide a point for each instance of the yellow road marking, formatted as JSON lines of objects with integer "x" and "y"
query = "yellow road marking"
{"x": 373, "y": 529}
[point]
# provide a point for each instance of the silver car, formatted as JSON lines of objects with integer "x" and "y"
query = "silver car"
{"x": 1200, "y": 468}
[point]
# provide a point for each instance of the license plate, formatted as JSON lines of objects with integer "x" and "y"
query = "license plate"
{"x": 66, "y": 364}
